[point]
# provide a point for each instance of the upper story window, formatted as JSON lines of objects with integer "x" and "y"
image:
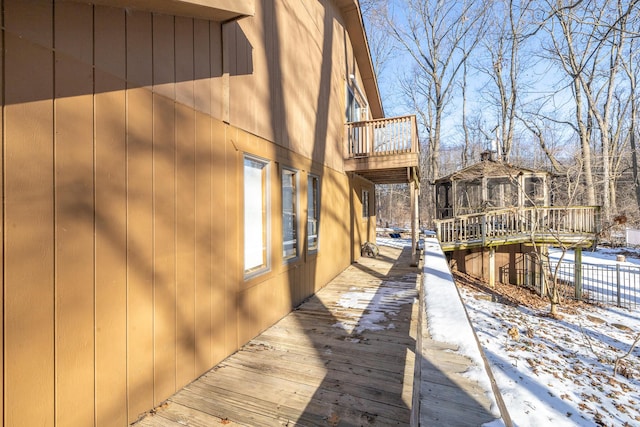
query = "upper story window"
{"x": 357, "y": 107}
{"x": 256, "y": 216}
{"x": 289, "y": 214}
{"x": 354, "y": 109}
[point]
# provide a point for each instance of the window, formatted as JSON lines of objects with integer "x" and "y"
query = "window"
{"x": 289, "y": 214}
{"x": 502, "y": 192}
{"x": 353, "y": 113}
{"x": 312, "y": 212}
{"x": 365, "y": 204}
{"x": 256, "y": 216}
{"x": 534, "y": 189}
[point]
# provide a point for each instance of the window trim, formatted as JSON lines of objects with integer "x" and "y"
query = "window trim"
{"x": 296, "y": 213}
{"x": 266, "y": 217}
{"x": 352, "y": 106}
{"x": 310, "y": 192}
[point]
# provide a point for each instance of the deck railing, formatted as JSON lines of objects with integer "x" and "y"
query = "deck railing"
{"x": 381, "y": 137}
{"x": 503, "y": 224}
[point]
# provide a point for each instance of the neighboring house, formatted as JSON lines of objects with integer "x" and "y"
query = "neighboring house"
{"x": 177, "y": 176}
{"x": 492, "y": 213}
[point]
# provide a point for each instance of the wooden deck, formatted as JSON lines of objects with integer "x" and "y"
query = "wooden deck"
{"x": 345, "y": 357}
{"x": 571, "y": 225}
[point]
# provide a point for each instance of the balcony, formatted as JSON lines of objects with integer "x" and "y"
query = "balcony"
{"x": 384, "y": 151}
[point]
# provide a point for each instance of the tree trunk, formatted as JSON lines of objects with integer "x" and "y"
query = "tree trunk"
{"x": 585, "y": 145}
{"x": 632, "y": 136}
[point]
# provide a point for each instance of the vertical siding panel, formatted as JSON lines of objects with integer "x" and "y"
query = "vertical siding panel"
{"x": 164, "y": 218}
{"x": 203, "y": 244}
{"x": 111, "y": 213}
{"x": 186, "y": 239}
{"x": 216, "y": 86}
{"x": 139, "y": 214}
{"x": 74, "y": 215}
{"x": 204, "y": 359}
{"x": 232, "y": 253}
{"x": 2, "y": 332}
{"x": 218, "y": 191}
{"x": 202, "y": 66}
{"x": 28, "y": 227}
{"x": 219, "y": 244}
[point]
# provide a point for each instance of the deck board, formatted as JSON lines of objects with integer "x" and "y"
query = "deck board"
{"x": 313, "y": 367}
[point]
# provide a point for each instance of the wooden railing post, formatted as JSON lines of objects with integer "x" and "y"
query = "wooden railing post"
{"x": 484, "y": 229}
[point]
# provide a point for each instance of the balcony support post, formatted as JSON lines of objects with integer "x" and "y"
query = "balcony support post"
{"x": 492, "y": 267}
{"x": 414, "y": 222}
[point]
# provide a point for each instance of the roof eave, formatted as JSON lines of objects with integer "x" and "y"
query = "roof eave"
{"x": 212, "y": 10}
{"x": 355, "y": 27}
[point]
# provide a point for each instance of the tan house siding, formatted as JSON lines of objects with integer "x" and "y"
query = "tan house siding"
{"x": 363, "y": 228}
{"x": 124, "y": 134}
{"x": 292, "y": 59}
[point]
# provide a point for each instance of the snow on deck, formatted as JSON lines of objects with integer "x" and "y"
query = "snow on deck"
{"x": 448, "y": 339}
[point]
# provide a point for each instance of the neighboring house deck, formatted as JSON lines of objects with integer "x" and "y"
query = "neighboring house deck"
{"x": 347, "y": 356}
{"x": 572, "y": 225}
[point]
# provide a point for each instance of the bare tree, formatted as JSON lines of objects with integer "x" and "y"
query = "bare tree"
{"x": 380, "y": 45}
{"x": 538, "y": 131}
{"x": 464, "y": 157}
{"x": 511, "y": 25}
{"x": 588, "y": 43}
{"x": 632, "y": 68}
{"x": 432, "y": 33}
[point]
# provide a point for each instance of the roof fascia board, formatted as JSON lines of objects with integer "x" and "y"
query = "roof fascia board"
{"x": 352, "y": 15}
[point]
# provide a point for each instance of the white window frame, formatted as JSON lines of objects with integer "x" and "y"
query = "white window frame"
{"x": 289, "y": 175}
{"x": 257, "y": 205}
{"x": 313, "y": 213}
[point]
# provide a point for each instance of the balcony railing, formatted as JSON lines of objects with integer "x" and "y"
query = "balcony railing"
{"x": 381, "y": 137}
{"x": 567, "y": 224}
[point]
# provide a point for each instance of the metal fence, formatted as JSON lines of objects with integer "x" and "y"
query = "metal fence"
{"x": 610, "y": 284}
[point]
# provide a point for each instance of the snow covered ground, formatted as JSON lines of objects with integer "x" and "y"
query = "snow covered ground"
{"x": 557, "y": 371}
{"x": 560, "y": 372}
{"x": 605, "y": 280}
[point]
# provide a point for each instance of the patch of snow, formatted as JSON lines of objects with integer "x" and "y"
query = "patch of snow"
{"x": 393, "y": 243}
{"x": 601, "y": 256}
{"x": 378, "y": 306}
{"x": 446, "y": 317}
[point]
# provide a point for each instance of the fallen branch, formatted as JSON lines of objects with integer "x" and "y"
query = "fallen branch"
{"x": 618, "y": 363}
